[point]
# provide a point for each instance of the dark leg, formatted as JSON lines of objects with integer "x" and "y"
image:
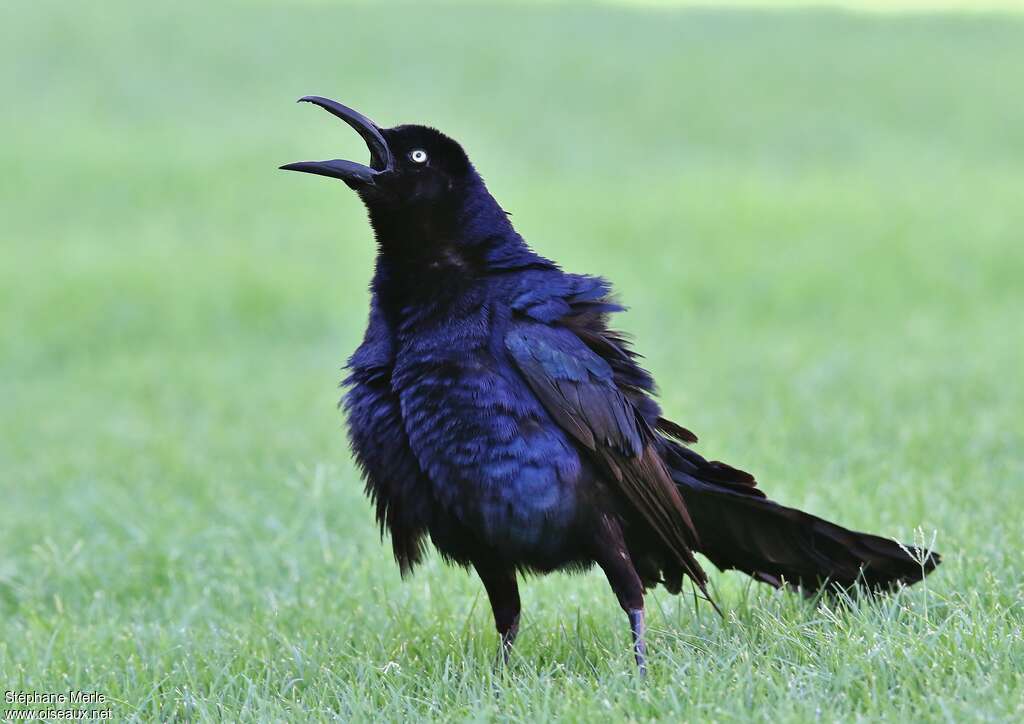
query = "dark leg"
{"x": 611, "y": 554}
{"x": 503, "y": 593}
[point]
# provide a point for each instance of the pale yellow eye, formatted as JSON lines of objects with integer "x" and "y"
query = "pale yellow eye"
{"x": 418, "y": 156}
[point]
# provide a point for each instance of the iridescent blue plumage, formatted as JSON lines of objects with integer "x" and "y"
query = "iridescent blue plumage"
{"x": 491, "y": 408}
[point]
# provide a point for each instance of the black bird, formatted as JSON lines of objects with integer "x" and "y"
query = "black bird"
{"x": 491, "y": 409}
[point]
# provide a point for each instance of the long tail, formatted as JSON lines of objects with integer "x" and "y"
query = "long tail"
{"x": 740, "y": 528}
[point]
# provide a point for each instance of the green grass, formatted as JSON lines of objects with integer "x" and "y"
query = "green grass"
{"x": 814, "y": 215}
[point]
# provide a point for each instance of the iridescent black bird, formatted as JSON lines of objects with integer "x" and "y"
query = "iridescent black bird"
{"x": 492, "y": 410}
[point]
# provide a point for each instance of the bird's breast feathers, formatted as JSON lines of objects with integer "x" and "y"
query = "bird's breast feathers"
{"x": 492, "y": 454}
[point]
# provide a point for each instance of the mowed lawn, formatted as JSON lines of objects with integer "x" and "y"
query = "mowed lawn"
{"x": 815, "y": 216}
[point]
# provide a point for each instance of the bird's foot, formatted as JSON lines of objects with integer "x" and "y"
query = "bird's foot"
{"x": 508, "y": 637}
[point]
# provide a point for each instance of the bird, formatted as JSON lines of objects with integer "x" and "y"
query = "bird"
{"x": 493, "y": 412}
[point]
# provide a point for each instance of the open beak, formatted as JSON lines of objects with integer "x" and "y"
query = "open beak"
{"x": 352, "y": 173}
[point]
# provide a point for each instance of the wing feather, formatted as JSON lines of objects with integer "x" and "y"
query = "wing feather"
{"x": 578, "y": 389}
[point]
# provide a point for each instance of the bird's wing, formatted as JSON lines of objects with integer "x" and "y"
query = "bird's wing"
{"x": 578, "y": 389}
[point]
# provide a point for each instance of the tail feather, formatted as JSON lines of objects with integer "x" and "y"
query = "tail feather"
{"x": 743, "y": 530}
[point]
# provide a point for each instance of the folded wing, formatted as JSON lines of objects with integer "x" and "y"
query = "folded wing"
{"x": 577, "y": 387}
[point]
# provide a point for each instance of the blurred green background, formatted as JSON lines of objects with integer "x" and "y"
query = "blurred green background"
{"x": 814, "y": 214}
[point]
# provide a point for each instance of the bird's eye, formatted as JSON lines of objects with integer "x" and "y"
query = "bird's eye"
{"x": 418, "y": 156}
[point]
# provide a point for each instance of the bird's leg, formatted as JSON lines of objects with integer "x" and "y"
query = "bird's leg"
{"x": 611, "y": 554}
{"x": 638, "y": 627}
{"x": 503, "y": 593}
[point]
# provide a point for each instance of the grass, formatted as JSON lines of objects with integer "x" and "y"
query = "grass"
{"x": 814, "y": 215}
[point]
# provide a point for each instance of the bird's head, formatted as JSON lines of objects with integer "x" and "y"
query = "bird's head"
{"x": 414, "y": 171}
